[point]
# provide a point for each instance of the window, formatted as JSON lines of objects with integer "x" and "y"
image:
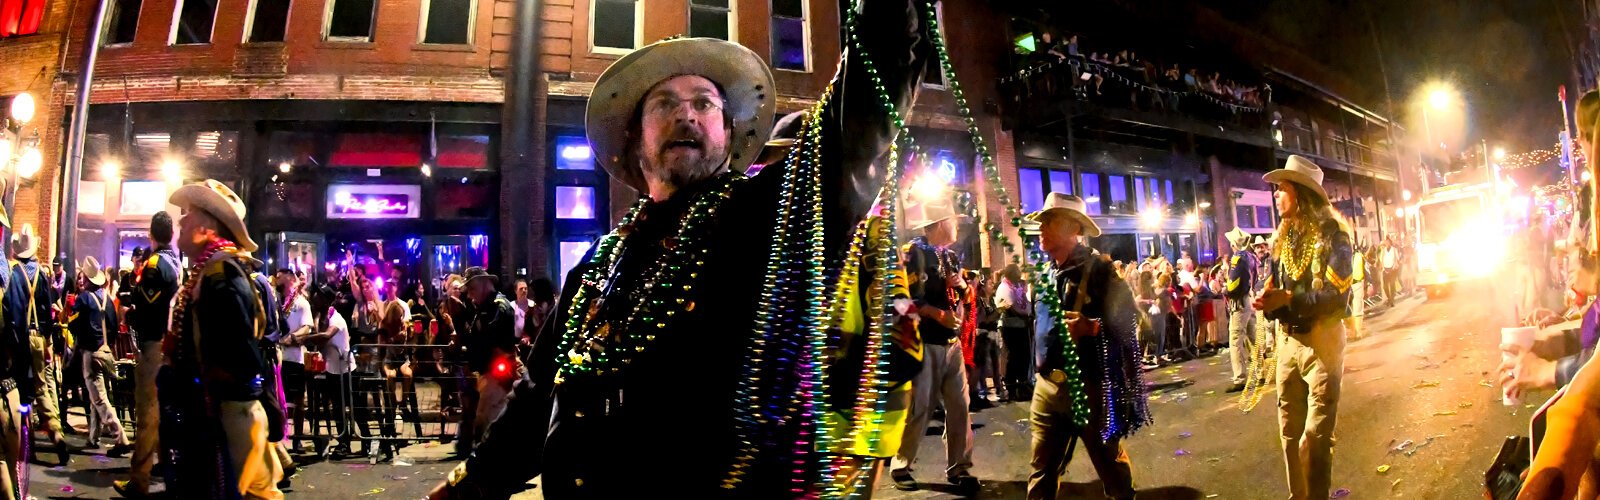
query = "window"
{"x": 574, "y": 202}
{"x": 92, "y": 197}
{"x": 151, "y": 147}
{"x": 349, "y": 20}
{"x": 614, "y": 25}
{"x": 447, "y": 21}
{"x": 1091, "y": 192}
{"x": 377, "y": 150}
{"x": 268, "y": 20}
{"x": 1119, "y": 195}
{"x": 933, "y": 72}
{"x": 470, "y": 151}
{"x": 215, "y": 147}
{"x": 1244, "y": 216}
{"x": 124, "y": 22}
{"x": 193, "y": 22}
{"x": 572, "y": 253}
{"x": 143, "y": 197}
{"x": 287, "y": 200}
{"x": 1139, "y": 195}
{"x": 1032, "y": 190}
{"x": 790, "y": 36}
{"x": 20, "y": 17}
{"x": 1263, "y": 217}
{"x": 1061, "y": 181}
{"x": 574, "y": 153}
{"x": 466, "y": 200}
{"x": 712, "y": 18}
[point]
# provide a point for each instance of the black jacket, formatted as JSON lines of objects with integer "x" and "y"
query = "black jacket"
{"x": 1321, "y": 292}
{"x": 219, "y": 341}
{"x": 151, "y": 303}
{"x": 668, "y": 419}
{"x": 1242, "y": 270}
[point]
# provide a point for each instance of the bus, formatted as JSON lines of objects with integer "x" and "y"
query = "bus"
{"x": 1461, "y": 236}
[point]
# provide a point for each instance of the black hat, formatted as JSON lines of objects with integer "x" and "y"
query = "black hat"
{"x": 475, "y": 272}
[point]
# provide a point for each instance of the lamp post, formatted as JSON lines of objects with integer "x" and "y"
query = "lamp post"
{"x": 22, "y": 158}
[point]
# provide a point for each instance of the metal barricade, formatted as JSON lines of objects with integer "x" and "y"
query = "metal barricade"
{"x": 389, "y": 408}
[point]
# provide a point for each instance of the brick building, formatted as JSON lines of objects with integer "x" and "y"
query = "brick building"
{"x": 32, "y": 33}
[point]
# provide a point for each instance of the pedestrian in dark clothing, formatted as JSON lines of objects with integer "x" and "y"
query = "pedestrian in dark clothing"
{"x": 1016, "y": 322}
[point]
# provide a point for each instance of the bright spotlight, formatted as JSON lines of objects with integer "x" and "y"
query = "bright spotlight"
{"x": 22, "y": 107}
{"x": 172, "y": 170}
{"x": 928, "y": 187}
{"x": 30, "y": 163}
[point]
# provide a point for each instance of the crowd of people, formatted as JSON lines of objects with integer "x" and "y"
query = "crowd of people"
{"x": 1059, "y": 66}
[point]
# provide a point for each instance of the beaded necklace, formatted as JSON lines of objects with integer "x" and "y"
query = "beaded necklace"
{"x": 1297, "y": 247}
{"x": 1260, "y": 361}
{"x": 589, "y": 345}
{"x": 180, "y": 317}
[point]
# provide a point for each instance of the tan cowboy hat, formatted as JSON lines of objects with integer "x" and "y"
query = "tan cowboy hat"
{"x": 90, "y": 267}
{"x": 217, "y": 200}
{"x": 1299, "y": 170}
{"x": 1238, "y": 237}
{"x": 745, "y": 81}
{"x": 24, "y": 242}
{"x": 1259, "y": 241}
{"x": 925, "y": 213}
{"x": 1071, "y": 206}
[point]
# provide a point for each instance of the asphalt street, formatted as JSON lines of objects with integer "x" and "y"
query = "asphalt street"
{"x": 1421, "y": 378}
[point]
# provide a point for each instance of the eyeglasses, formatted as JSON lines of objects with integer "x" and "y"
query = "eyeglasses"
{"x": 662, "y": 106}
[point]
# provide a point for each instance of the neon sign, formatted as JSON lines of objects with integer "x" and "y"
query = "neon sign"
{"x": 373, "y": 201}
{"x": 371, "y": 204}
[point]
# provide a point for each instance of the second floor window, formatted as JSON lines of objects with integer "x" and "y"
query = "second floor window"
{"x": 124, "y": 22}
{"x": 711, "y": 18}
{"x": 20, "y": 17}
{"x": 268, "y": 20}
{"x": 193, "y": 23}
{"x": 614, "y": 25}
{"x": 790, "y": 42}
{"x": 350, "y": 20}
{"x": 447, "y": 21}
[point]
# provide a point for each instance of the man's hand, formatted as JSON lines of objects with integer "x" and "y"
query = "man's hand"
{"x": 1272, "y": 299}
{"x": 439, "y": 492}
{"x": 944, "y": 318}
{"x": 1525, "y": 371}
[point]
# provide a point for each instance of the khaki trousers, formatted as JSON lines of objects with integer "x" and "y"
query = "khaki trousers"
{"x": 102, "y": 415}
{"x": 1053, "y": 434}
{"x": 147, "y": 415}
{"x": 944, "y": 374}
{"x": 44, "y": 366}
{"x": 1241, "y": 339}
{"x": 10, "y": 444}
{"x": 1310, "y": 369}
{"x": 253, "y": 459}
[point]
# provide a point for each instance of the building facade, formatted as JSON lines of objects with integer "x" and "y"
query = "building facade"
{"x": 32, "y": 35}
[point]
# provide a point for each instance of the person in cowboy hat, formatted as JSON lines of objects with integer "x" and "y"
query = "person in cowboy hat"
{"x": 1100, "y": 321}
{"x": 220, "y": 305}
{"x": 680, "y": 121}
{"x": 30, "y": 300}
{"x": 1308, "y": 294}
{"x": 89, "y": 326}
{"x": 491, "y": 346}
{"x": 936, "y": 285}
{"x": 15, "y": 390}
{"x": 1243, "y": 271}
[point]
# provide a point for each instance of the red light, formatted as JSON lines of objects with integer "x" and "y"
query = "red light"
{"x": 501, "y": 368}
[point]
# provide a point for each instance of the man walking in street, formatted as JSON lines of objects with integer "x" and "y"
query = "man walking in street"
{"x": 149, "y": 316}
{"x": 1307, "y": 293}
{"x": 491, "y": 350}
{"x": 16, "y": 388}
{"x": 89, "y": 323}
{"x": 680, "y": 121}
{"x": 937, "y": 288}
{"x": 1390, "y": 258}
{"x": 1016, "y": 321}
{"x": 30, "y": 310}
{"x": 216, "y": 358}
{"x": 1092, "y": 313}
{"x": 1242, "y": 273}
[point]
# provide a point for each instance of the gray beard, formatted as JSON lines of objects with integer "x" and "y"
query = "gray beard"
{"x": 687, "y": 175}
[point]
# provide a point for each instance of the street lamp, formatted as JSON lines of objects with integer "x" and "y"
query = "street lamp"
{"x": 1499, "y": 153}
{"x": 19, "y": 154}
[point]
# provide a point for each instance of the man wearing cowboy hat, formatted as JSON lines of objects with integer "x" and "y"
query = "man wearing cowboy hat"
{"x": 1243, "y": 268}
{"x": 219, "y": 323}
{"x": 15, "y": 390}
{"x": 1100, "y": 325}
{"x": 679, "y": 121}
{"x": 1308, "y": 294}
{"x": 491, "y": 346}
{"x": 29, "y": 308}
{"x": 936, "y": 287}
{"x": 88, "y": 324}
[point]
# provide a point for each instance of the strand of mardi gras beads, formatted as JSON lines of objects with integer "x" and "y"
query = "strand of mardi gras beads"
{"x": 1254, "y": 386}
{"x": 815, "y": 299}
{"x": 675, "y": 272}
{"x": 1080, "y": 408}
{"x": 605, "y": 255}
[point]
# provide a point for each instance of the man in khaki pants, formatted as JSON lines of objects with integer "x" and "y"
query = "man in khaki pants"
{"x": 1308, "y": 294}
{"x": 150, "y": 319}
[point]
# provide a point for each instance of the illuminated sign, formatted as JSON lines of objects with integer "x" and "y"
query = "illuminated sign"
{"x": 373, "y": 201}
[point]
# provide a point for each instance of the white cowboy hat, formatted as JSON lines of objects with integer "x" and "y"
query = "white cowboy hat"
{"x": 24, "y": 242}
{"x": 217, "y": 200}
{"x": 1299, "y": 170}
{"x": 743, "y": 77}
{"x": 1070, "y": 205}
{"x": 1259, "y": 241}
{"x": 1238, "y": 237}
{"x": 90, "y": 267}
{"x": 926, "y": 213}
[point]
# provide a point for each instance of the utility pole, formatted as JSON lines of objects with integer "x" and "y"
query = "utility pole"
{"x": 67, "y": 238}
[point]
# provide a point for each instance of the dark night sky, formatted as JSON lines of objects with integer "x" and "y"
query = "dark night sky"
{"x": 1506, "y": 57}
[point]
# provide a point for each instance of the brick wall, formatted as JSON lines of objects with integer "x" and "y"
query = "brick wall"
{"x": 31, "y": 65}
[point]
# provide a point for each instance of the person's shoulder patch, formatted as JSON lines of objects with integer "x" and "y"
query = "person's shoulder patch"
{"x": 153, "y": 262}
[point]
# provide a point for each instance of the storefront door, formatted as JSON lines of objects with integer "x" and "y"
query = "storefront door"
{"x": 302, "y": 252}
